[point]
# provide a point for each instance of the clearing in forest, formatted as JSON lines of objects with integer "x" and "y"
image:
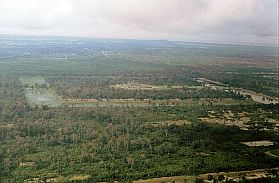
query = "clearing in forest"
{"x": 132, "y": 102}
{"x": 242, "y": 120}
{"x": 159, "y": 124}
{"x": 258, "y": 143}
{"x": 37, "y": 92}
{"x": 140, "y": 86}
{"x": 228, "y": 119}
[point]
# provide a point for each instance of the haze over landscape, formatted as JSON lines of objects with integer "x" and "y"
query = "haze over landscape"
{"x": 230, "y": 21}
{"x": 139, "y": 91}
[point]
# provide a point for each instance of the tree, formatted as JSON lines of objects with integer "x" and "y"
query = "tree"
{"x": 198, "y": 180}
{"x": 221, "y": 177}
{"x": 210, "y": 177}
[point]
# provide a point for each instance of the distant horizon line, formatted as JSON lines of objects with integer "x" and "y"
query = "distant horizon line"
{"x": 137, "y": 39}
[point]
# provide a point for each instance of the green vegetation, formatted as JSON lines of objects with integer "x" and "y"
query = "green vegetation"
{"x": 68, "y": 117}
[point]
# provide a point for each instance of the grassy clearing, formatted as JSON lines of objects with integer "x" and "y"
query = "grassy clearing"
{"x": 241, "y": 123}
{"x": 104, "y": 103}
{"x": 7, "y": 126}
{"x": 259, "y": 143}
{"x": 79, "y": 177}
{"x": 144, "y": 103}
{"x": 170, "y": 122}
{"x": 26, "y": 164}
{"x": 176, "y": 179}
{"x": 243, "y": 120}
{"x": 139, "y": 86}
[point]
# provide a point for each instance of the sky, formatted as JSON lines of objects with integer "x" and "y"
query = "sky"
{"x": 223, "y": 21}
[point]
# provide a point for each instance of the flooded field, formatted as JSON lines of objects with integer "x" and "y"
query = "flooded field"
{"x": 42, "y": 97}
{"x": 37, "y": 92}
{"x": 257, "y": 97}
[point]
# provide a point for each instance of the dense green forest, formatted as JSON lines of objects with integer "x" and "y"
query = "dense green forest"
{"x": 167, "y": 125}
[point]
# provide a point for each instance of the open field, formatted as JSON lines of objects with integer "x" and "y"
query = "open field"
{"x": 159, "y": 124}
{"x": 38, "y": 93}
{"x": 259, "y": 143}
{"x": 177, "y": 179}
{"x": 9, "y": 126}
{"x": 139, "y": 86}
{"x": 228, "y": 122}
{"x": 143, "y": 103}
{"x": 244, "y": 120}
{"x": 228, "y": 119}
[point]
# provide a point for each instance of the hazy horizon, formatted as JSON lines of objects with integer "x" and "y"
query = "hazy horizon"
{"x": 58, "y": 37}
{"x": 232, "y": 21}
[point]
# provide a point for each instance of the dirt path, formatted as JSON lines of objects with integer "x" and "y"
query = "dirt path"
{"x": 272, "y": 155}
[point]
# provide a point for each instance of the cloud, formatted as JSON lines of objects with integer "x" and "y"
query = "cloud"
{"x": 34, "y": 14}
{"x": 193, "y": 20}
